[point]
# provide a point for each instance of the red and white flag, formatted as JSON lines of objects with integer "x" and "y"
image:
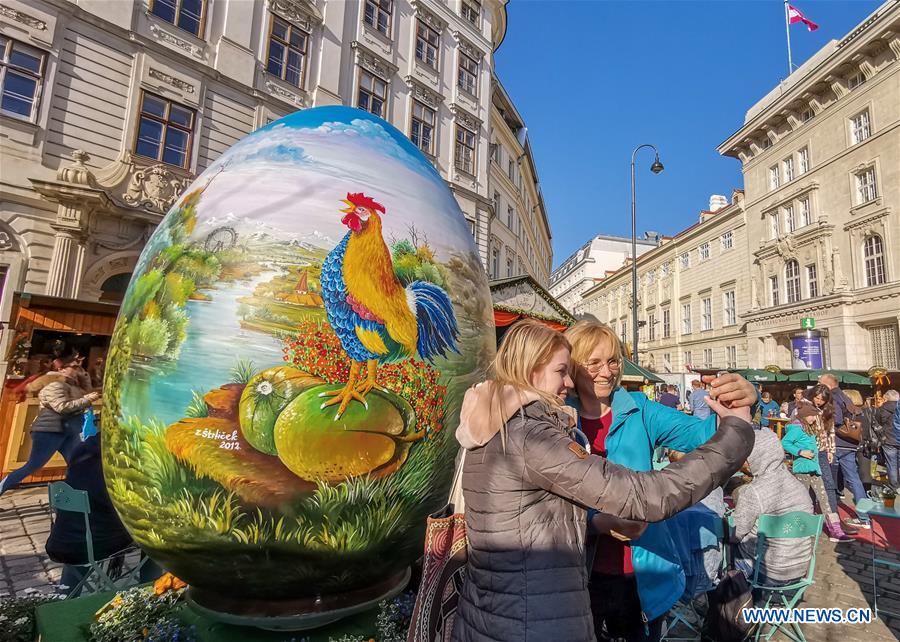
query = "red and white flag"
{"x": 795, "y": 15}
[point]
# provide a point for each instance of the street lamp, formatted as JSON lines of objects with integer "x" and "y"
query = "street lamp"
{"x": 656, "y": 168}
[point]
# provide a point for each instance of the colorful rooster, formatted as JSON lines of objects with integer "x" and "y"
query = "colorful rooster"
{"x": 376, "y": 319}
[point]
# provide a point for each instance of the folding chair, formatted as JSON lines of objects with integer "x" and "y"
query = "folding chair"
{"x": 98, "y": 573}
{"x": 794, "y": 525}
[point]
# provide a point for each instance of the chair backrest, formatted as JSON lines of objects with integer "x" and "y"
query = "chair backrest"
{"x": 795, "y": 525}
{"x": 65, "y": 498}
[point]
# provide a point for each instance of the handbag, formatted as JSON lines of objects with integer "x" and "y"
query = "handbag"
{"x": 724, "y": 621}
{"x": 443, "y": 568}
{"x": 851, "y": 430}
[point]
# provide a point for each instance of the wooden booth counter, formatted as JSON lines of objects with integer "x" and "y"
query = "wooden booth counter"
{"x": 42, "y": 324}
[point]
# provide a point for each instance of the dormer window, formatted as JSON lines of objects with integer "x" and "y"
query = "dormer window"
{"x": 855, "y": 80}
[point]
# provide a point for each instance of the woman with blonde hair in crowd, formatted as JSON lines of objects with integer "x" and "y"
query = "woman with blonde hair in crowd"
{"x": 635, "y": 580}
{"x": 526, "y": 483}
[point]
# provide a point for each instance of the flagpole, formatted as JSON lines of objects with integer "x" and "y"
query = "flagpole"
{"x": 787, "y": 31}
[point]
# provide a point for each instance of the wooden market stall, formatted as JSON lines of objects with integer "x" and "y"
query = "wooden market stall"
{"x": 45, "y": 327}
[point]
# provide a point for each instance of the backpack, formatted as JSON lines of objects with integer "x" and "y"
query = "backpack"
{"x": 724, "y": 620}
{"x": 871, "y": 433}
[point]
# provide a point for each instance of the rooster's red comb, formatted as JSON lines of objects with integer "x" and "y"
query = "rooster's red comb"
{"x": 361, "y": 200}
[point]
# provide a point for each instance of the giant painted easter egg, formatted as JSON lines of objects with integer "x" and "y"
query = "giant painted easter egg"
{"x": 285, "y": 375}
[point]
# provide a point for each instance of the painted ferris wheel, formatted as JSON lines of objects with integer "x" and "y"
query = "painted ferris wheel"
{"x": 220, "y": 239}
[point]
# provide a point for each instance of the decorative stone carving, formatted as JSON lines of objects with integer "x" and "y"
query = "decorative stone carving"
{"x": 840, "y": 281}
{"x": 178, "y": 83}
{"x": 785, "y": 247}
{"x": 6, "y": 242}
{"x": 467, "y": 47}
{"x": 154, "y": 187}
{"x": 77, "y": 172}
{"x": 464, "y": 118}
{"x": 427, "y": 17}
{"x": 755, "y": 277}
{"x": 277, "y": 90}
{"x": 165, "y": 36}
{"x": 300, "y": 13}
{"x": 24, "y": 18}
{"x": 371, "y": 62}
{"x": 422, "y": 93}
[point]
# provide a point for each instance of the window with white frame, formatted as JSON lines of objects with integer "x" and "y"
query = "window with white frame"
{"x": 667, "y": 361}
{"x": 865, "y": 186}
{"x": 807, "y": 115}
{"x": 511, "y": 168}
{"x": 773, "y": 290}
{"x": 703, "y": 251}
{"x": 495, "y": 262}
{"x": 471, "y": 11}
{"x": 790, "y": 223}
{"x": 766, "y": 142}
{"x": 773, "y": 225}
{"x": 873, "y": 260}
{"x": 685, "y": 260}
{"x": 651, "y": 326}
{"x": 774, "y": 177}
{"x": 184, "y": 14}
{"x": 788, "y": 166}
{"x": 665, "y": 269}
{"x": 465, "y": 150}
{"x": 165, "y": 130}
{"x": 378, "y": 15}
{"x": 729, "y": 308}
{"x": 686, "y": 318}
{"x": 688, "y": 358}
{"x": 805, "y": 214}
{"x": 859, "y": 127}
{"x": 467, "y": 76}
{"x": 792, "y": 281}
{"x": 667, "y": 324}
{"x": 855, "y": 80}
{"x": 803, "y": 161}
{"x": 707, "y": 358}
{"x": 428, "y": 44}
{"x": 21, "y": 73}
{"x": 812, "y": 281}
{"x": 422, "y": 129}
{"x": 510, "y": 216}
{"x": 727, "y": 241}
{"x": 287, "y": 52}
{"x": 706, "y": 316}
{"x": 372, "y": 93}
{"x": 509, "y": 266}
{"x": 731, "y": 357}
{"x": 885, "y": 346}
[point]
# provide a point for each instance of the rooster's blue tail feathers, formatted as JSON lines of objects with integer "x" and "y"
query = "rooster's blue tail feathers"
{"x": 436, "y": 320}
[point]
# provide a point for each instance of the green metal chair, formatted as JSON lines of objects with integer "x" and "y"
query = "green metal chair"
{"x": 794, "y": 525}
{"x": 100, "y": 575}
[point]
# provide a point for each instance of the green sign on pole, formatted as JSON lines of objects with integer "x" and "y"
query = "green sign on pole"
{"x": 807, "y": 323}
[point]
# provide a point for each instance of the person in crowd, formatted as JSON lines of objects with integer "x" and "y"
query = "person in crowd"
{"x": 67, "y": 541}
{"x": 783, "y": 410}
{"x": 97, "y": 371}
{"x": 773, "y": 491}
{"x": 699, "y": 407}
{"x": 627, "y": 428}
{"x": 670, "y": 397}
{"x": 890, "y": 450}
{"x": 57, "y": 427}
{"x": 792, "y": 404}
{"x": 768, "y": 408}
{"x": 845, "y": 450}
{"x": 801, "y": 440}
{"x": 526, "y": 484}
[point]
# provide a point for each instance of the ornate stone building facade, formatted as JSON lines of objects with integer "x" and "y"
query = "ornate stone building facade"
{"x": 821, "y": 162}
{"x": 692, "y": 290}
{"x": 109, "y": 109}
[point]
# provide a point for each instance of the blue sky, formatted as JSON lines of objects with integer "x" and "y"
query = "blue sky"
{"x": 593, "y": 79}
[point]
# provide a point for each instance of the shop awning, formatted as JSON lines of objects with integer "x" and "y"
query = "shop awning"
{"x": 503, "y": 318}
{"x": 634, "y": 372}
{"x": 843, "y": 376}
{"x": 755, "y": 375}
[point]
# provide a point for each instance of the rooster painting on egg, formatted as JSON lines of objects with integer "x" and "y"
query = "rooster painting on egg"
{"x": 374, "y": 316}
{"x": 286, "y": 372}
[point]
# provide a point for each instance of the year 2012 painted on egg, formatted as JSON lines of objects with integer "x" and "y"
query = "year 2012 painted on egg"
{"x": 286, "y": 372}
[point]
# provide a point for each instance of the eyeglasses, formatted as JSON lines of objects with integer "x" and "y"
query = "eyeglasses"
{"x": 595, "y": 366}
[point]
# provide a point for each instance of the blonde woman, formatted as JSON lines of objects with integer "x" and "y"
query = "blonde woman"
{"x": 526, "y": 484}
{"x": 634, "y": 583}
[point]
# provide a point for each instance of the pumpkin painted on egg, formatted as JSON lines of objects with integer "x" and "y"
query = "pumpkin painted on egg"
{"x": 286, "y": 371}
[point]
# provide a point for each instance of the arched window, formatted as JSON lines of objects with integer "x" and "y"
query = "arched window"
{"x": 792, "y": 281}
{"x": 873, "y": 256}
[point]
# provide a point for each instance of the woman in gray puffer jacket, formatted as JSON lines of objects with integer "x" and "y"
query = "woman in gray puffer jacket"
{"x": 527, "y": 485}
{"x": 58, "y": 424}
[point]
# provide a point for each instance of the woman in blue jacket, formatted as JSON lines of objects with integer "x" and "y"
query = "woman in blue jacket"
{"x": 636, "y": 575}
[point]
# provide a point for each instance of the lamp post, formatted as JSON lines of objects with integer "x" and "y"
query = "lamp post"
{"x": 656, "y": 168}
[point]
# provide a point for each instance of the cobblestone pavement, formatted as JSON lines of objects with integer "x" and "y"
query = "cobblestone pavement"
{"x": 843, "y": 571}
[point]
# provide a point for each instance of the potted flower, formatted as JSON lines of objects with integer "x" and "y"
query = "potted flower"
{"x": 888, "y": 495}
